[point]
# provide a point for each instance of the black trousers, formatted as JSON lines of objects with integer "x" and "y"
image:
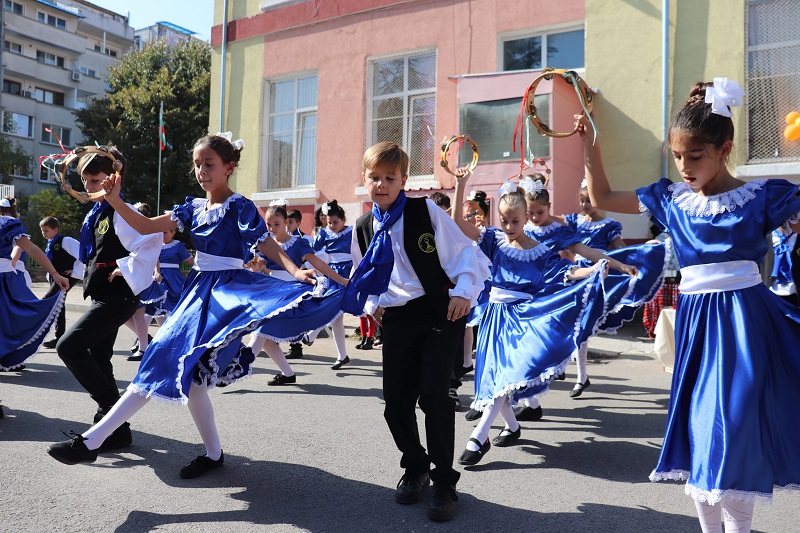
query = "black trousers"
{"x": 86, "y": 348}
{"x": 61, "y": 321}
{"x": 419, "y": 346}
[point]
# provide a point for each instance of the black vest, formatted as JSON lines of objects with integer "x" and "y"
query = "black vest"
{"x": 61, "y": 260}
{"x": 107, "y": 249}
{"x": 419, "y": 245}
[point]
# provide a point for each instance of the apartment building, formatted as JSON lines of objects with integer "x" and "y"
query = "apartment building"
{"x": 171, "y": 33}
{"x": 54, "y": 58}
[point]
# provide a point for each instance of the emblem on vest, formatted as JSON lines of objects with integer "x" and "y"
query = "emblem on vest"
{"x": 102, "y": 227}
{"x": 56, "y": 247}
{"x": 426, "y": 243}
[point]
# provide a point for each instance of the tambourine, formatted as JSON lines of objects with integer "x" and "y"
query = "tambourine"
{"x": 464, "y": 139}
{"x": 62, "y": 166}
{"x": 584, "y": 93}
{"x": 547, "y": 171}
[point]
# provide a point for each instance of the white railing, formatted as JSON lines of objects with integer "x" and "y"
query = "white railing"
{"x": 6, "y": 190}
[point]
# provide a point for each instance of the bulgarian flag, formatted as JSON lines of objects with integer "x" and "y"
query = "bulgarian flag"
{"x": 162, "y": 133}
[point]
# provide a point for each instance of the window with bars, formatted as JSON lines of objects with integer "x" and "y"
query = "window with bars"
{"x": 773, "y": 78}
{"x": 402, "y": 107}
{"x": 291, "y": 147}
{"x": 561, "y": 49}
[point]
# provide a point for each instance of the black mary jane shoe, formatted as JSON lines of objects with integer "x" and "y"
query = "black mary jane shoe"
{"x": 472, "y": 415}
{"x": 507, "y": 437}
{"x": 280, "y": 379}
{"x": 339, "y": 364}
{"x": 579, "y": 388}
{"x": 528, "y": 414}
{"x": 469, "y": 458}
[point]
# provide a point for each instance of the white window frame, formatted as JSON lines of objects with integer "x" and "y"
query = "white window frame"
{"x": 543, "y": 32}
{"x": 47, "y": 16}
{"x": 59, "y": 130}
{"x": 9, "y": 5}
{"x": 11, "y": 45}
{"x": 31, "y": 123}
{"x": 87, "y": 71}
{"x": 299, "y": 113}
{"x": 415, "y": 182}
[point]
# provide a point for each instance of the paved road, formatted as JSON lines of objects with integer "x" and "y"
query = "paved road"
{"x": 318, "y": 457}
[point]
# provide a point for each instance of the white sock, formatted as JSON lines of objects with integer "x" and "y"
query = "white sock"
{"x": 203, "y": 416}
{"x": 738, "y": 516}
{"x": 481, "y": 431}
{"x": 468, "y": 338}
{"x": 124, "y": 409}
{"x": 583, "y": 353}
{"x": 710, "y": 517}
{"x": 338, "y": 336}
{"x": 507, "y": 413}
{"x": 532, "y": 402}
{"x": 276, "y": 354}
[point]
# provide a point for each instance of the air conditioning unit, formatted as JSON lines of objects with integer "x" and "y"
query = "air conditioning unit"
{"x": 76, "y": 76}
{"x": 27, "y": 94}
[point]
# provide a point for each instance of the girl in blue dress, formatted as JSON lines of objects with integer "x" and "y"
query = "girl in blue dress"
{"x": 624, "y": 294}
{"x": 334, "y": 241}
{"x": 168, "y": 274}
{"x": 533, "y": 322}
{"x": 328, "y": 308}
{"x": 199, "y": 347}
{"x": 732, "y": 430}
{"x": 25, "y": 318}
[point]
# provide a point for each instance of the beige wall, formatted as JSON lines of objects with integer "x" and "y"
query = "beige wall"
{"x": 623, "y": 60}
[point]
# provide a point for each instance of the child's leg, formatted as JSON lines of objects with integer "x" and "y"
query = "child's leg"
{"x": 507, "y": 412}
{"x": 371, "y": 326}
{"x": 124, "y": 409}
{"x": 532, "y": 402}
{"x": 363, "y": 326}
{"x": 738, "y": 516}
{"x": 276, "y": 354}
{"x": 468, "y": 339}
{"x": 481, "y": 431}
{"x": 583, "y": 354}
{"x": 710, "y": 517}
{"x": 203, "y": 416}
{"x": 338, "y": 336}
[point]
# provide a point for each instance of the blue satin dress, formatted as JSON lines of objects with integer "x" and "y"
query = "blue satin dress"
{"x": 624, "y": 294}
{"x": 200, "y": 341}
{"x": 173, "y": 253}
{"x": 525, "y": 343}
{"x": 733, "y": 428}
{"x": 24, "y": 318}
{"x": 598, "y": 234}
{"x": 337, "y": 246}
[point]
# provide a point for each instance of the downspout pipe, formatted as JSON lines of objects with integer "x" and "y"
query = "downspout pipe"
{"x": 664, "y": 84}
{"x": 224, "y": 65}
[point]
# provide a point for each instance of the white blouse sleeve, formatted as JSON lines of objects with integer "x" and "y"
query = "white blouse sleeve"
{"x": 138, "y": 267}
{"x": 72, "y": 247}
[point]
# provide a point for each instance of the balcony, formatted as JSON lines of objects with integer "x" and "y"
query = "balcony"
{"x": 43, "y": 33}
{"x": 29, "y": 71}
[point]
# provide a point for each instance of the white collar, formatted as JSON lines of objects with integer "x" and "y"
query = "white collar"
{"x": 513, "y": 252}
{"x": 543, "y": 230}
{"x": 211, "y": 216}
{"x": 585, "y": 223}
{"x": 698, "y": 205}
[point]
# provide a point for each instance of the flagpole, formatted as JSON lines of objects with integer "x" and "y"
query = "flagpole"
{"x": 160, "y": 122}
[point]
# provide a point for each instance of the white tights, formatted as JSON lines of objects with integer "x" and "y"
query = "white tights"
{"x": 258, "y": 343}
{"x": 738, "y": 516}
{"x": 580, "y": 361}
{"x": 130, "y": 403}
{"x": 338, "y": 337}
{"x": 139, "y": 325}
{"x": 499, "y": 406}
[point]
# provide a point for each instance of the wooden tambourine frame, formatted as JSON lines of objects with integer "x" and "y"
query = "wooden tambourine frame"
{"x": 569, "y": 76}
{"x": 71, "y": 158}
{"x": 465, "y": 140}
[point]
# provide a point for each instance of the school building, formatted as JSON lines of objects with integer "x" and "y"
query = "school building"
{"x": 309, "y": 85}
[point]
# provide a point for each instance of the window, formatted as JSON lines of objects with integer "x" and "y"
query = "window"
{"x": 557, "y": 50}
{"x": 11, "y": 46}
{"x": 48, "y": 97}
{"x": 86, "y": 71}
{"x": 292, "y": 133}
{"x": 773, "y": 79}
{"x": 107, "y": 51}
{"x": 14, "y": 7}
{"x": 51, "y": 20}
{"x": 17, "y": 124}
{"x": 46, "y": 174}
{"x": 55, "y": 133}
{"x": 402, "y": 107}
{"x": 487, "y": 123}
{"x": 49, "y": 59}
{"x": 12, "y": 87}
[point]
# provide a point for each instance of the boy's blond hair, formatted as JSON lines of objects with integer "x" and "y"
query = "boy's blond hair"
{"x": 386, "y": 154}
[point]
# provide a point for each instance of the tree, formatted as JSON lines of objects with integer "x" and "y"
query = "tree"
{"x": 49, "y": 202}
{"x": 13, "y": 160}
{"x": 180, "y": 76}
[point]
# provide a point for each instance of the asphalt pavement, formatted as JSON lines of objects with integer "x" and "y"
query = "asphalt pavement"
{"x": 317, "y": 456}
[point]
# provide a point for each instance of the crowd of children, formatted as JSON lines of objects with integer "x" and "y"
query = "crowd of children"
{"x": 527, "y": 298}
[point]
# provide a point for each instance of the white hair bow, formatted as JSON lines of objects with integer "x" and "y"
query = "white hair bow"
{"x": 584, "y": 183}
{"x": 722, "y": 94}
{"x": 472, "y": 195}
{"x": 531, "y": 186}
{"x": 5, "y": 203}
{"x": 325, "y": 209}
{"x": 506, "y": 188}
{"x": 280, "y": 202}
{"x": 238, "y": 143}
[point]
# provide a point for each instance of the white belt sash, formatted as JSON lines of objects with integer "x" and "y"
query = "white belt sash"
{"x": 719, "y": 277}
{"x": 504, "y": 296}
{"x": 169, "y": 265}
{"x": 339, "y": 257}
{"x": 214, "y": 263}
{"x": 5, "y": 266}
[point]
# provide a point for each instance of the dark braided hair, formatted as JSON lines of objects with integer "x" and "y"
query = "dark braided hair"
{"x": 696, "y": 120}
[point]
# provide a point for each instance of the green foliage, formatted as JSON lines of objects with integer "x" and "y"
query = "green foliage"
{"x": 13, "y": 160}
{"x": 179, "y": 76}
{"x": 66, "y": 209}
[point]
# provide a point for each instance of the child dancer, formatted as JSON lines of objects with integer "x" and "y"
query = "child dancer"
{"x": 299, "y": 251}
{"x": 595, "y": 230}
{"x": 418, "y": 277}
{"x": 732, "y": 425}
{"x": 197, "y": 347}
{"x": 295, "y": 217}
{"x": 62, "y": 251}
{"x": 26, "y": 318}
{"x": 334, "y": 240}
{"x": 168, "y": 275}
{"x": 533, "y": 321}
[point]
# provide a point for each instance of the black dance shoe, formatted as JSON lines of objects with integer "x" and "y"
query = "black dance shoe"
{"x": 409, "y": 488}
{"x": 469, "y": 458}
{"x": 473, "y": 415}
{"x": 136, "y": 356}
{"x": 442, "y": 506}
{"x": 507, "y": 437}
{"x": 295, "y": 351}
{"x": 339, "y": 364}
{"x": 528, "y": 414}
{"x": 121, "y": 438}
{"x": 50, "y": 344}
{"x": 579, "y": 388}
{"x": 200, "y": 465}
{"x": 73, "y": 451}
{"x": 280, "y": 379}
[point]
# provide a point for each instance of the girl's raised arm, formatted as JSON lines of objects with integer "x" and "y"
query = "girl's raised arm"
{"x": 137, "y": 221}
{"x": 466, "y": 227}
